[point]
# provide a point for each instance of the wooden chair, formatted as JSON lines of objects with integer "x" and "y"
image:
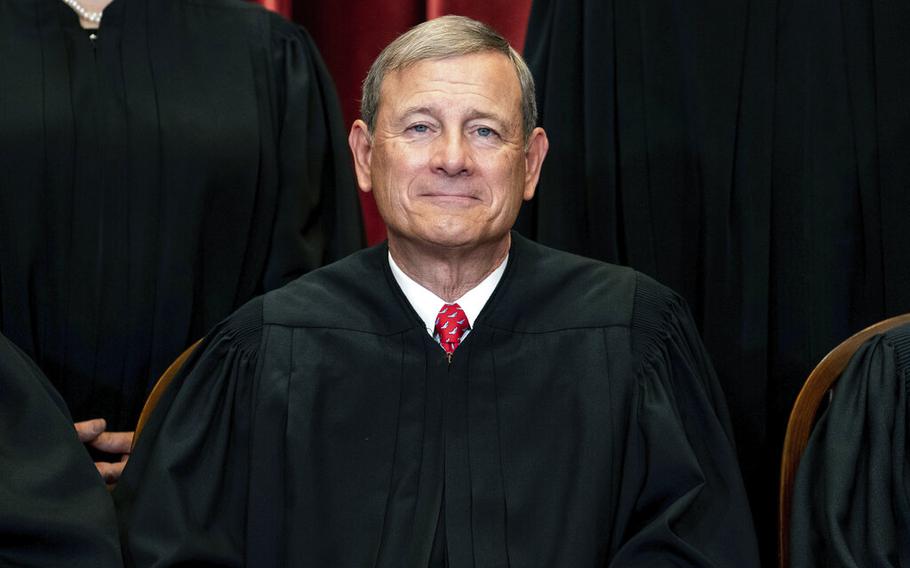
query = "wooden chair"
{"x": 160, "y": 386}
{"x": 802, "y": 418}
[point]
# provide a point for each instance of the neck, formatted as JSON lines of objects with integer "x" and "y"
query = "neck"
{"x": 95, "y": 5}
{"x": 448, "y": 273}
{"x": 91, "y": 6}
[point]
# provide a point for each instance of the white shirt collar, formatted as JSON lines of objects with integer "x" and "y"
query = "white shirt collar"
{"x": 427, "y": 304}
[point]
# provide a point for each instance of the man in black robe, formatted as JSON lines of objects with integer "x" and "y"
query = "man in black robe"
{"x": 54, "y": 509}
{"x": 851, "y": 498}
{"x": 459, "y": 396}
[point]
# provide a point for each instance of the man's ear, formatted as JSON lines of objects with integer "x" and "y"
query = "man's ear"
{"x": 361, "y": 144}
{"x": 534, "y": 156}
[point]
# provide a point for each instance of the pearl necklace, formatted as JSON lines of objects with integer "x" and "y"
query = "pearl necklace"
{"x": 94, "y": 17}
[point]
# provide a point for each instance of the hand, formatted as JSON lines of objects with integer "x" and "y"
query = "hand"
{"x": 93, "y": 432}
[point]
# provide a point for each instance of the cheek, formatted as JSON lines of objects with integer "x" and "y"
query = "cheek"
{"x": 508, "y": 182}
{"x": 393, "y": 177}
{"x": 401, "y": 164}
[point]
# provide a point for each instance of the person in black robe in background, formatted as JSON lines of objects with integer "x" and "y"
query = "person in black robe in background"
{"x": 574, "y": 420}
{"x": 156, "y": 173}
{"x": 851, "y": 505}
{"x": 750, "y": 155}
{"x": 54, "y": 509}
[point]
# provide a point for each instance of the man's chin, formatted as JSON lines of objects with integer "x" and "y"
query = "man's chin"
{"x": 449, "y": 240}
{"x": 458, "y": 239}
{"x": 447, "y": 233}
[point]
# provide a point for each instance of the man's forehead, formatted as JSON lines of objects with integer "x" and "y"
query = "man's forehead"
{"x": 486, "y": 76}
{"x": 469, "y": 64}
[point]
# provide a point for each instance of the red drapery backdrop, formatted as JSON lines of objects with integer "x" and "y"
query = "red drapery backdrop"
{"x": 351, "y": 33}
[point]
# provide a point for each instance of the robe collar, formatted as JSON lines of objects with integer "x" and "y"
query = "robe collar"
{"x": 427, "y": 304}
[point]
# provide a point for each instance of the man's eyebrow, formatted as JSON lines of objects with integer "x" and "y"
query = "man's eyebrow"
{"x": 473, "y": 114}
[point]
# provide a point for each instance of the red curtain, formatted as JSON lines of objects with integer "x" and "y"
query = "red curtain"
{"x": 351, "y": 33}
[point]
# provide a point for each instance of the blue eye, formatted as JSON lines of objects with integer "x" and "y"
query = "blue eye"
{"x": 485, "y": 132}
{"x": 420, "y": 128}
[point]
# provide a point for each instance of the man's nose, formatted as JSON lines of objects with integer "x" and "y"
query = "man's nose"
{"x": 452, "y": 155}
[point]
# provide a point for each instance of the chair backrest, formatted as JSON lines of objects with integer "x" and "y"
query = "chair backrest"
{"x": 160, "y": 386}
{"x": 802, "y": 418}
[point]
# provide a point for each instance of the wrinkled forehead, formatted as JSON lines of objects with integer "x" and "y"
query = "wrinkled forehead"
{"x": 486, "y": 81}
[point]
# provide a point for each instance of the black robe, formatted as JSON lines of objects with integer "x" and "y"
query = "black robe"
{"x": 751, "y": 155}
{"x": 154, "y": 179}
{"x": 579, "y": 424}
{"x": 54, "y": 509}
{"x": 851, "y": 498}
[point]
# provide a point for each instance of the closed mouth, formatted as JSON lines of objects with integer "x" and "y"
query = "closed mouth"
{"x": 450, "y": 196}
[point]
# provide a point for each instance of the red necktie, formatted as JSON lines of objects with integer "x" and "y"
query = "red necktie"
{"x": 451, "y": 326}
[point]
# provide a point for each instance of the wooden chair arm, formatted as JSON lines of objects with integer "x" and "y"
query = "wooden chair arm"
{"x": 160, "y": 386}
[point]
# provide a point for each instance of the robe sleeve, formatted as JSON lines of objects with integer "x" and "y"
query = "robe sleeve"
{"x": 182, "y": 499}
{"x": 318, "y": 217}
{"x": 682, "y": 492}
{"x": 851, "y": 505}
{"x": 54, "y": 508}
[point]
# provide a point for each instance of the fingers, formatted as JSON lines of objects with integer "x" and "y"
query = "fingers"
{"x": 88, "y": 430}
{"x": 110, "y": 472}
{"x": 113, "y": 442}
{"x": 92, "y": 432}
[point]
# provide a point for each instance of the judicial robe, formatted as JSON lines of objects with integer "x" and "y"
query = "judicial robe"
{"x": 579, "y": 424}
{"x": 751, "y": 155}
{"x": 54, "y": 508}
{"x": 851, "y": 497}
{"x": 154, "y": 179}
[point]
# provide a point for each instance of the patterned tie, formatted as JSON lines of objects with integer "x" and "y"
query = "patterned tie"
{"x": 451, "y": 327}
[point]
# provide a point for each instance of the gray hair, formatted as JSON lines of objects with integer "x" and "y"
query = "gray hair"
{"x": 448, "y": 36}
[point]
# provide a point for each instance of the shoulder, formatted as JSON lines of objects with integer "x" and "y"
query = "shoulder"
{"x": 659, "y": 315}
{"x": 354, "y": 293}
{"x": 22, "y": 381}
{"x": 240, "y": 9}
{"x": 239, "y": 6}
{"x": 899, "y": 338}
{"x": 892, "y": 345}
{"x": 260, "y": 21}
{"x": 546, "y": 289}
{"x": 242, "y": 330}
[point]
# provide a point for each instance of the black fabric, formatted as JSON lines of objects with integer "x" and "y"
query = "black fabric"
{"x": 155, "y": 179}
{"x": 750, "y": 155}
{"x": 851, "y": 505}
{"x": 54, "y": 508}
{"x": 579, "y": 424}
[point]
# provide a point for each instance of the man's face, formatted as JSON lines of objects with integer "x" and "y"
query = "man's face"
{"x": 447, "y": 163}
